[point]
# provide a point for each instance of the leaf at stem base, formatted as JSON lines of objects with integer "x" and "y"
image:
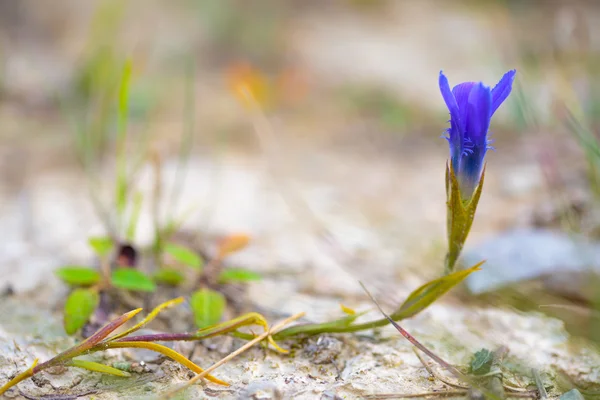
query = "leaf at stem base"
{"x": 78, "y": 276}
{"x": 235, "y": 275}
{"x": 184, "y": 255}
{"x": 132, "y": 279}
{"x": 208, "y": 306}
{"x": 80, "y": 305}
{"x": 422, "y": 297}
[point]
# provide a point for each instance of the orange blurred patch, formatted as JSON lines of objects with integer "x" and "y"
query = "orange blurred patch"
{"x": 249, "y": 85}
{"x": 232, "y": 243}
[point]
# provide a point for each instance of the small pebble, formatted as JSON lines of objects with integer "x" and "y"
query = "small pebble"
{"x": 325, "y": 350}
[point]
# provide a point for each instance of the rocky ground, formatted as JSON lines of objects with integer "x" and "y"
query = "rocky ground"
{"x": 377, "y": 191}
{"x": 363, "y": 202}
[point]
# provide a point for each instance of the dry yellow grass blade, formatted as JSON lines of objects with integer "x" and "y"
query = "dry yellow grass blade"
{"x": 274, "y": 329}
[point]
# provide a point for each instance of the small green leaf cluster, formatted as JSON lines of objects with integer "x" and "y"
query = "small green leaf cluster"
{"x": 207, "y": 304}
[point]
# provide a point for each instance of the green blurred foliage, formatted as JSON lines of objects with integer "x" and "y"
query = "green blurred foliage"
{"x": 208, "y": 307}
{"x": 79, "y": 306}
{"x": 132, "y": 279}
{"x": 244, "y": 29}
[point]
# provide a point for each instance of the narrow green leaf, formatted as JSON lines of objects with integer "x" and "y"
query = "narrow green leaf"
{"x": 101, "y": 245}
{"x": 344, "y": 324}
{"x": 121, "y": 194}
{"x": 136, "y": 208}
{"x": 208, "y": 307}
{"x": 184, "y": 255}
{"x": 88, "y": 344}
{"x": 132, "y": 279}
{"x": 98, "y": 336}
{"x": 430, "y": 292}
{"x": 97, "y": 367}
{"x": 124, "y": 98}
{"x": 149, "y": 318}
{"x": 80, "y": 305}
{"x": 168, "y": 276}
{"x": 238, "y": 275}
{"x": 121, "y": 189}
{"x": 78, "y": 276}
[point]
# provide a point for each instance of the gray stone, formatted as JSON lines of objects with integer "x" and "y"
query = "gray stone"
{"x": 562, "y": 261}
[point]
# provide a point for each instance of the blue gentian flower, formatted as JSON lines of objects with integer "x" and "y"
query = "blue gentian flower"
{"x": 471, "y": 106}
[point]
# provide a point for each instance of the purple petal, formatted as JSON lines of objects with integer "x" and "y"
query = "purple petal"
{"x": 461, "y": 93}
{"x": 480, "y": 113}
{"x": 449, "y": 97}
{"x": 455, "y": 133}
{"x": 501, "y": 91}
{"x": 479, "y": 104}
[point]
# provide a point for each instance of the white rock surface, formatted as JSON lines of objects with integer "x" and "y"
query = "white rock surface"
{"x": 301, "y": 274}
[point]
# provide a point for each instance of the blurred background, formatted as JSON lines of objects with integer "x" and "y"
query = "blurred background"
{"x": 344, "y": 154}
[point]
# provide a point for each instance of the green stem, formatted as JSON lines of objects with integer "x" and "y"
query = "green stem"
{"x": 328, "y": 327}
{"x": 460, "y": 215}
